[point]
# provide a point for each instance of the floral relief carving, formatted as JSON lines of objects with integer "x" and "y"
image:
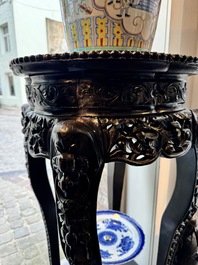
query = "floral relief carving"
{"x": 170, "y": 93}
{"x": 50, "y": 95}
{"x": 141, "y": 140}
{"x": 115, "y": 93}
{"x": 36, "y": 129}
{"x": 131, "y": 94}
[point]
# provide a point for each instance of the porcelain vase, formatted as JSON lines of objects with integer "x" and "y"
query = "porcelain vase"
{"x": 110, "y": 24}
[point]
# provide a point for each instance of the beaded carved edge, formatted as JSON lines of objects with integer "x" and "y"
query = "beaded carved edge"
{"x": 171, "y": 58}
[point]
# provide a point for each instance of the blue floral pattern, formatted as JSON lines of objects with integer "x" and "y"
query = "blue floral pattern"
{"x": 105, "y": 254}
{"x": 120, "y": 237}
{"x": 115, "y": 225}
{"x": 126, "y": 244}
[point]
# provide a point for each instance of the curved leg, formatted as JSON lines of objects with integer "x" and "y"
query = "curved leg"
{"x": 77, "y": 167}
{"x": 42, "y": 190}
{"x": 173, "y": 216}
{"x": 116, "y": 173}
{"x": 36, "y": 129}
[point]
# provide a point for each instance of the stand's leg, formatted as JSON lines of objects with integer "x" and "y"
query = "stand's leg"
{"x": 116, "y": 173}
{"x": 118, "y": 182}
{"x": 77, "y": 168}
{"x": 183, "y": 193}
{"x": 42, "y": 190}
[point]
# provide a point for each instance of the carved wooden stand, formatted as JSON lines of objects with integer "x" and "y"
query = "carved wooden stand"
{"x": 87, "y": 109}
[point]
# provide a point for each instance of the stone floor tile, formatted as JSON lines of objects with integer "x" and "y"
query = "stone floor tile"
{"x": 30, "y": 252}
{"x": 14, "y": 259}
{"x": 29, "y": 211}
{"x": 6, "y": 238}
{"x": 26, "y": 242}
{"x": 13, "y": 213}
{"x": 16, "y": 223}
{"x": 33, "y": 218}
{"x": 8, "y": 249}
{"x": 36, "y": 227}
{"x": 3, "y": 220}
{"x": 4, "y": 228}
{"x": 40, "y": 260}
{"x": 21, "y": 232}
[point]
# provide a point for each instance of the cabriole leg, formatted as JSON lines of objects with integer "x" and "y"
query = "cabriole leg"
{"x": 40, "y": 185}
{"x": 77, "y": 168}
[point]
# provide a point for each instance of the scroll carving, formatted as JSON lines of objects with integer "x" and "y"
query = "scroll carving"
{"x": 36, "y": 129}
{"x": 85, "y": 94}
{"x": 170, "y": 92}
{"x": 141, "y": 140}
{"x": 52, "y": 96}
{"x": 131, "y": 94}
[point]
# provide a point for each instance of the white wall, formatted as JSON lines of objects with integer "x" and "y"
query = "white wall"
{"x": 141, "y": 197}
{"x": 30, "y": 27}
{"x": 161, "y": 40}
{"x": 28, "y": 35}
{"x": 30, "y": 24}
{"x": 184, "y": 40}
{"x": 6, "y": 16}
{"x": 142, "y": 189}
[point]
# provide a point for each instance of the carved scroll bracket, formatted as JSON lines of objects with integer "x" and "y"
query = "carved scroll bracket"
{"x": 141, "y": 140}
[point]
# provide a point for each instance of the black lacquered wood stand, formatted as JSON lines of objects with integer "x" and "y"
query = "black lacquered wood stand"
{"x": 88, "y": 109}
